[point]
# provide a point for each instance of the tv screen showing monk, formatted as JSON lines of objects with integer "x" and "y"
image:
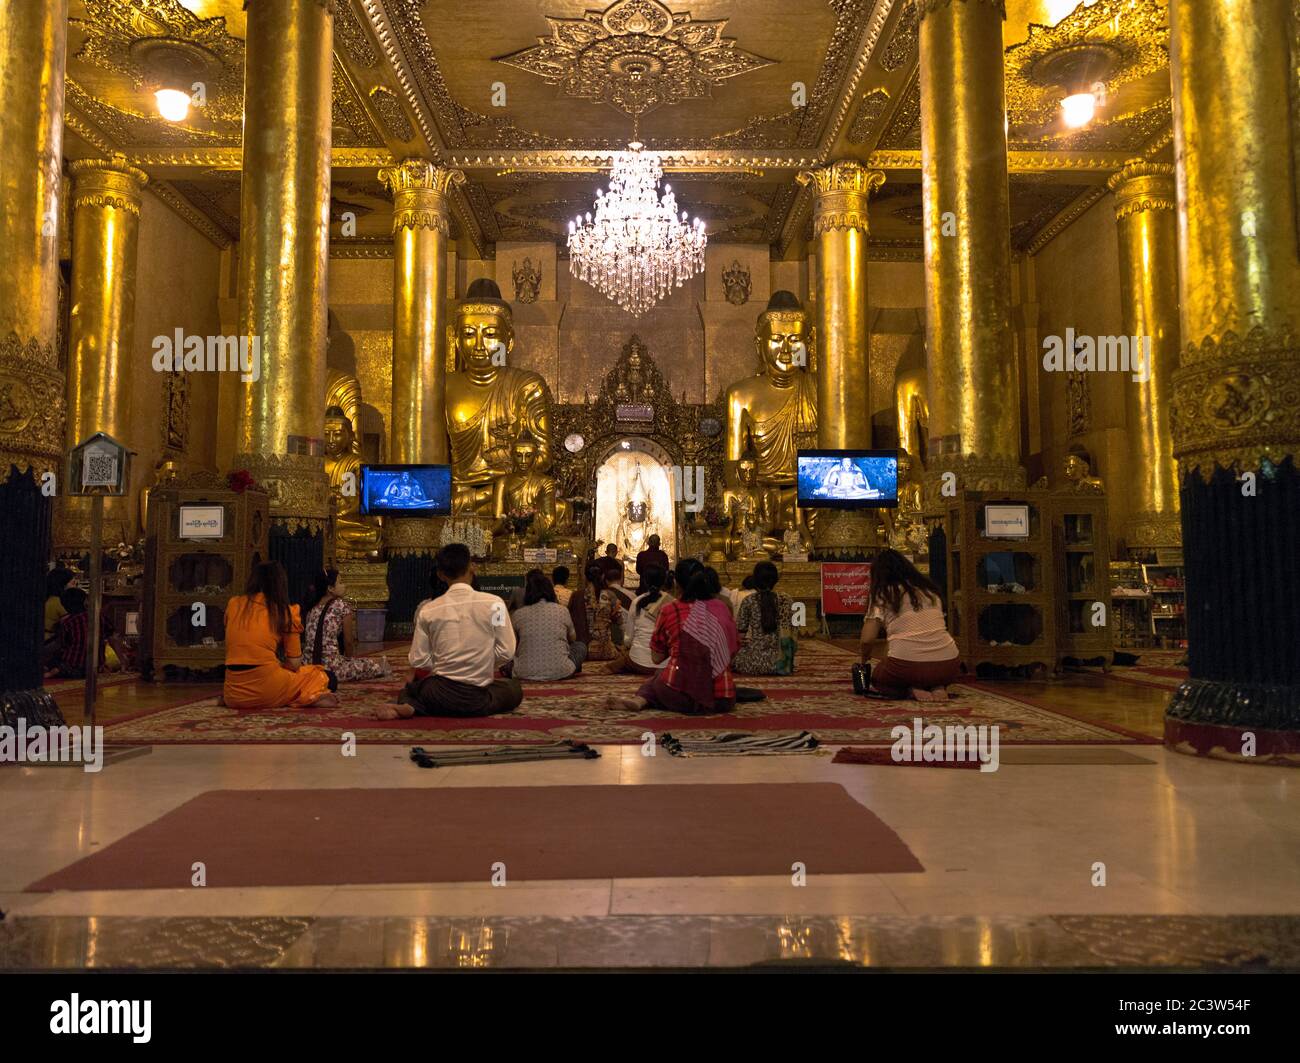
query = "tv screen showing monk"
{"x": 848, "y": 479}
{"x": 406, "y": 490}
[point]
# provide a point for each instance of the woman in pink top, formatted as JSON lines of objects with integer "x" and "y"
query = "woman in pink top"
{"x": 905, "y": 607}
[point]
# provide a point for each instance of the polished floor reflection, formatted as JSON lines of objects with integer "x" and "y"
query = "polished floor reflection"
{"x": 1255, "y": 943}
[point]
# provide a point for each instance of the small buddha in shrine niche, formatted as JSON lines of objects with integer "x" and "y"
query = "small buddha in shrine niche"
{"x": 525, "y": 487}
{"x": 356, "y": 536}
{"x": 1077, "y": 469}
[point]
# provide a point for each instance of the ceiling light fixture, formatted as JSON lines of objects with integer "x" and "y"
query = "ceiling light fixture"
{"x": 173, "y": 104}
{"x": 636, "y": 248}
{"x": 1078, "y": 109}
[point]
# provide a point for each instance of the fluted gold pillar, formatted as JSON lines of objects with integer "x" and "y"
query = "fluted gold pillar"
{"x": 418, "y": 432}
{"x": 33, "y": 50}
{"x": 1147, "y": 219}
{"x": 284, "y": 254}
{"x": 1236, "y": 393}
{"x": 840, "y": 228}
{"x": 970, "y": 349}
{"x": 101, "y": 334}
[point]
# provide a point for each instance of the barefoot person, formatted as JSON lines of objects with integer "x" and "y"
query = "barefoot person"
{"x": 696, "y": 635}
{"x": 905, "y": 608}
{"x": 460, "y": 639}
{"x": 264, "y": 648}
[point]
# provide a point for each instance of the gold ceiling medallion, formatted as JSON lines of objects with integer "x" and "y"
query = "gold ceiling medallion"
{"x": 152, "y": 41}
{"x": 636, "y": 56}
{"x": 1112, "y": 42}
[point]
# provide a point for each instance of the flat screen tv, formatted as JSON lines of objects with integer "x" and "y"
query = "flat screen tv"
{"x": 848, "y": 479}
{"x": 405, "y": 490}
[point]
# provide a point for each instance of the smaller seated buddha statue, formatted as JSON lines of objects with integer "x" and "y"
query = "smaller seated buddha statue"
{"x": 748, "y": 509}
{"x": 524, "y": 487}
{"x": 356, "y": 537}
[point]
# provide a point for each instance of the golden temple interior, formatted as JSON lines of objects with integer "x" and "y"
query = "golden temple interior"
{"x": 926, "y": 227}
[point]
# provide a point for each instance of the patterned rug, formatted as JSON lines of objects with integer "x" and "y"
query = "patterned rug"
{"x": 1155, "y": 668}
{"x": 818, "y": 698}
{"x": 106, "y": 679}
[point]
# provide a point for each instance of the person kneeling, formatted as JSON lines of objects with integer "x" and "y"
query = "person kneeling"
{"x": 460, "y": 638}
{"x": 905, "y": 607}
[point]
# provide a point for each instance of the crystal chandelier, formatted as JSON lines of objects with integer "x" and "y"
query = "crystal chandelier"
{"x": 636, "y": 248}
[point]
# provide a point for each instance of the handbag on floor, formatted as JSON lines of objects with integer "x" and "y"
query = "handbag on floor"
{"x": 861, "y": 679}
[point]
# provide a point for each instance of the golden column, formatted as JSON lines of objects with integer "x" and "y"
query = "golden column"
{"x": 970, "y": 348}
{"x": 33, "y": 49}
{"x": 1236, "y": 395}
{"x": 283, "y": 267}
{"x": 101, "y": 337}
{"x": 1146, "y": 216}
{"x": 840, "y": 228}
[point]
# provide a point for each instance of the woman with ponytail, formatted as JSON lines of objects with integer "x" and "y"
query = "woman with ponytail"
{"x": 765, "y": 624}
{"x": 330, "y": 632}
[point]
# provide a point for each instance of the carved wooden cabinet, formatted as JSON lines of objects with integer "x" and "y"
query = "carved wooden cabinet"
{"x": 204, "y": 563}
{"x": 1083, "y": 598}
{"x": 1001, "y": 607}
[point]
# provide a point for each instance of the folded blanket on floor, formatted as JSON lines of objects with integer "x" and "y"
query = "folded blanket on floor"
{"x": 737, "y": 743}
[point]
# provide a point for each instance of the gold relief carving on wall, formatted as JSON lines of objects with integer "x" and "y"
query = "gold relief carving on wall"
{"x": 352, "y": 127}
{"x": 1237, "y": 400}
{"x": 737, "y": 283}
{"x": 528, "y": 281}
{"x": 636, "y": 56}
{"x": 31, "y": 407}
{"x": 176, "y": 414}
{"x": 904, "y": 129}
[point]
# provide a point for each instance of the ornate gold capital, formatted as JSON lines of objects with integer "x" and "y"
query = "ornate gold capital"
{"x": 31, "y": 407}
{"x": 412, "y": 537}
{"x": 974, "y": 473}
{"x": 842, "y": 190}
{"x": 1149, "y": 529}
{"x": 1236, "y": 401}
{"x": 296, "y": 484}
{"x": 420, "y": 192}
{"x": 928, "y": 7}
{"x": 1143, "y": 185}
{"x": 109, "y": 182}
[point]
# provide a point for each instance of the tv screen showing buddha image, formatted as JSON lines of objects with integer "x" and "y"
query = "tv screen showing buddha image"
{"x": 848, "y": 479}
{"x": 406, "y": 490}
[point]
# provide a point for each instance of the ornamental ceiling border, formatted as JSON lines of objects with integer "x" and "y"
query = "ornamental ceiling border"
{"x": 853, "y": 19}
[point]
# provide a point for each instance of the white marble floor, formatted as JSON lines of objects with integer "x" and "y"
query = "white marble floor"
{"x": 1177, "y": 835}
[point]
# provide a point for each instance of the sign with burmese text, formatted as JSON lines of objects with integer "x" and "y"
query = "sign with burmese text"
{"x": 845, "y": 588}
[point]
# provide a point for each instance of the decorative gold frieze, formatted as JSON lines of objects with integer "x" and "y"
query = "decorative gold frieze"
{"x": 296, "y": 484}
{"x": 870, "y": 111}
{"x": 407, "y": 538}
{"x": 1148, "y": 529}
{"x": 1065, "y": 219}
{"x": 902, "y": 42}
{"x": 1237, "y": 400}
{"x": 352, "y": 35}
{"x": 232, "y": 158}
{"x": 31, "y": 407}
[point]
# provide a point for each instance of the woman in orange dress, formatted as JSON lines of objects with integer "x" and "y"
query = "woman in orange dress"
{"x": 263, "y": 647}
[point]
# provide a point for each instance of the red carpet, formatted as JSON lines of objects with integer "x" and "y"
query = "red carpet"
{"x": 818, "y": 698}
{"x": 456, "y": 834}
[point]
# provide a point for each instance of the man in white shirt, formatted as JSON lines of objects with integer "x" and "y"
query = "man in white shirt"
{"x": 460, "y": 639}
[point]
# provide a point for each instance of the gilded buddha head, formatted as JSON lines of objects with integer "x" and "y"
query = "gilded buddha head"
{"x": 338, "y": 432}
{"x": 782, "y": 336}
{"x": 483, "y": 331}
{"x": 523, "y": 454}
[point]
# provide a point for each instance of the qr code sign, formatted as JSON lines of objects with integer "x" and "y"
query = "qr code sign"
{"x": 99, "y": 470}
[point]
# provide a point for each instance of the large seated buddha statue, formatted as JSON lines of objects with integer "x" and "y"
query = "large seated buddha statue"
{"x": 490, "y": 404}
{"x": 774, "y": 413}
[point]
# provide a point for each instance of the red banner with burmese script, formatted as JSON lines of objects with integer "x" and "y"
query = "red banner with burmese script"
{"x": 845, "y": 587}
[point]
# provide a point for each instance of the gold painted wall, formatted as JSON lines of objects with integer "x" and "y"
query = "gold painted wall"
{"x": 1078, "y": 287}
{"x": 177, "y": 273}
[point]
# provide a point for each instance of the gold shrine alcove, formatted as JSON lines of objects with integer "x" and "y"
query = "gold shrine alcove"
{"x": 634, "y": 418}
